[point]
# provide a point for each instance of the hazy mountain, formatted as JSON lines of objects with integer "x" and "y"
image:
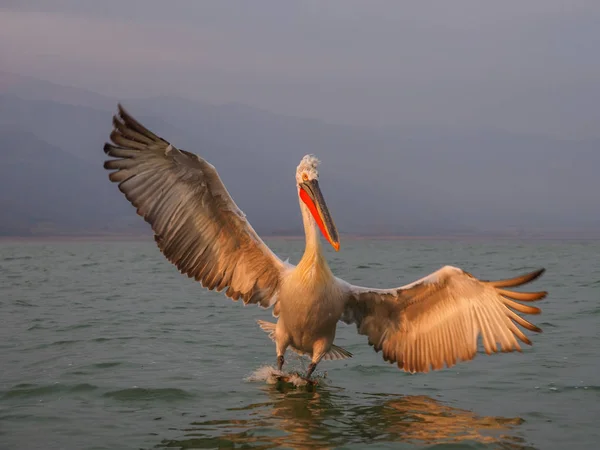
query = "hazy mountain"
{"x": 46, "y": 190}
{"x": 422, "y": 182}
{"x": 29, "y": 88}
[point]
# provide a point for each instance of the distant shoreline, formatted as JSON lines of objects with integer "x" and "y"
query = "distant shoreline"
{"x": 441, "y": 237}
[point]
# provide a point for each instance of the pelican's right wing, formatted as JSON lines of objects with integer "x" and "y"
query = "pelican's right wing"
{"x": 197, "y": 225}
{"x": 437, "y": 320}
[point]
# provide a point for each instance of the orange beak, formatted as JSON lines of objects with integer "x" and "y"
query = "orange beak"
{"x": 310, "y": 194}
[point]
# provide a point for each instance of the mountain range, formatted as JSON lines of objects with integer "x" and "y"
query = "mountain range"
{"x": 375, "y": 181}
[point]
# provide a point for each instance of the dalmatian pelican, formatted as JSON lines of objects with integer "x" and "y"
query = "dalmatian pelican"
{"x": 426, "y": 325}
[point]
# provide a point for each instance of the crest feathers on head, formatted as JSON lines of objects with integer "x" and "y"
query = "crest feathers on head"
{"x": 308, "y": 166}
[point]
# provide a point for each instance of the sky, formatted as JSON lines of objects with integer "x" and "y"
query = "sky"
{"x": 523, "y": 67}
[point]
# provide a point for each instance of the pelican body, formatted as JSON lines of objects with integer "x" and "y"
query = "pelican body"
{"x": 428, "y": 324}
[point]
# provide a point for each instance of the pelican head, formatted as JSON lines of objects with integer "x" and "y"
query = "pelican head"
{"x": 307, "y": 177}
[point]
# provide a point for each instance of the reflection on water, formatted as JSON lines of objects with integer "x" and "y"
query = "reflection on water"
{"x": 326, "y": 418}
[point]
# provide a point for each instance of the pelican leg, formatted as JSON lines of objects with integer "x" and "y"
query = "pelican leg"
{"x": 311, "y": 368}
{"x": 320, "y": 347}
{"x": 281, "y": 345}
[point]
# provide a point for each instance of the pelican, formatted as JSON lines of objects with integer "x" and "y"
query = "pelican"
{"x": 425, "y": 325}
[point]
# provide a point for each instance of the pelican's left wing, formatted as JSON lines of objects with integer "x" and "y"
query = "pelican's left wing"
{"x": 437, "y": 320}
{"x": 197, "y": 225}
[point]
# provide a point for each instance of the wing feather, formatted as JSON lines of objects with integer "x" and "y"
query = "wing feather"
{"x": 436, "y": 321}
{"x": 197, "y": 225}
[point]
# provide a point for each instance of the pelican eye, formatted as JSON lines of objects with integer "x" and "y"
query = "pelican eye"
{"x": 305, "y": 176}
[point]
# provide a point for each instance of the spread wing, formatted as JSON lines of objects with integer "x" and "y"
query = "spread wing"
{"x": 197, "y": 225}
{"x": 437, "y": 320}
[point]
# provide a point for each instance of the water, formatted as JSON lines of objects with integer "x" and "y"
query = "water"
{"x": 104, "y": 345}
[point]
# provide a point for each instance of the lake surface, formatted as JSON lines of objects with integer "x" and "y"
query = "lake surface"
{"x": 104, "y": 345}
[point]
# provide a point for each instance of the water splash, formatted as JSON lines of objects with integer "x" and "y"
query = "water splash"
{"x": 271, "y": 375}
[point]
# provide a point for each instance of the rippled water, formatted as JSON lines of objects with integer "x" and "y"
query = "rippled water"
{"x": 104, "y": 345}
